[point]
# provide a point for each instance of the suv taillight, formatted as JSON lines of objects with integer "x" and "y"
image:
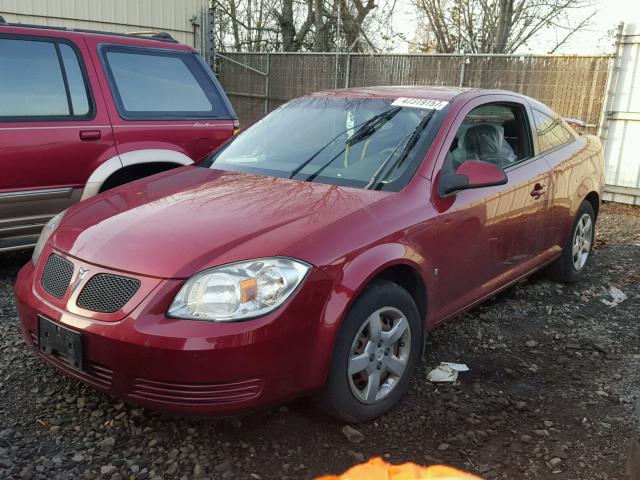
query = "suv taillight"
{"x": 236, "y": 127}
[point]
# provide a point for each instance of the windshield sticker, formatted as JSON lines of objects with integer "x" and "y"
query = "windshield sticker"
{"x": 351, "y": 121}
{"x": 420, "y": 103}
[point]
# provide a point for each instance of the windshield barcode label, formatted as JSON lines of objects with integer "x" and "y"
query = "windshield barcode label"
{"x": 420, "y": 103}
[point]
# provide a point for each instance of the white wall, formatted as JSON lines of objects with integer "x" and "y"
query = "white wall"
{"x": 120, "y": 16}
{"x": 621, "y": 126}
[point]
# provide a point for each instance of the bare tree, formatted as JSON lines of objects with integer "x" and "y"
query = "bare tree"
{"x": 295, "y": 25}
{"x": 499, "y": 26}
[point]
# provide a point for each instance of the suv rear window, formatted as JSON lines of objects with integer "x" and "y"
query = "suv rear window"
{"x": 153, "y": 84}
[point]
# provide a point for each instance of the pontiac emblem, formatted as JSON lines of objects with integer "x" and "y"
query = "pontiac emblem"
{"x": 82, "y": 273}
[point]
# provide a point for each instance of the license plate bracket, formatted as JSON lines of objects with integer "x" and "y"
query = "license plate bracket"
{"x": 66, "y": 344}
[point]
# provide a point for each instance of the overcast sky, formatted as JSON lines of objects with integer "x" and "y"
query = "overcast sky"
{"x": 595, "y": 38}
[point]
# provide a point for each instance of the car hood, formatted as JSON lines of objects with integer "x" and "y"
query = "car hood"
{"x": 176, "y": 223}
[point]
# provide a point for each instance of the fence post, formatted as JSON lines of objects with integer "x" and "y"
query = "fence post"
{"x": 614, "y": 69}
{"x": 211, "y": 29}
{"x": 266, "y": 84}
{"x": 347, "y": 71}
{"x": 462, "y": 71}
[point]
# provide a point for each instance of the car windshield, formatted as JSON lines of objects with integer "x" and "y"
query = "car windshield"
{"x": 358, "y": 142}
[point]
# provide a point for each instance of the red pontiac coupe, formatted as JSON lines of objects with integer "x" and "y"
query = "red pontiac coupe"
{"x": 311, "y": 253}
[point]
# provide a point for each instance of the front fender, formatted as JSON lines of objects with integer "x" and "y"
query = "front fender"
{"x": 350, "y": 276}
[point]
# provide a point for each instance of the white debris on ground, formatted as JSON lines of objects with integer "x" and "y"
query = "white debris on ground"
{"x": 617, "y": 295}
{"x": 446, "y": 372}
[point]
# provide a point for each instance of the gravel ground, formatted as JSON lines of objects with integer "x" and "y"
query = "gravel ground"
{"x": 554, "y": 374}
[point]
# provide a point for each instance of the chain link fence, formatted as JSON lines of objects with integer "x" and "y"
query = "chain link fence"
{"x": 574, "y": 86}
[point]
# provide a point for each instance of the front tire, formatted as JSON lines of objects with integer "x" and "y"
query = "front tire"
{"x": 375, "y": 354}
{"x": 570, "y": 265}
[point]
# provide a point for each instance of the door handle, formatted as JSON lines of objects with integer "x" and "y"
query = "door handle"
{"x": 90, "y": 135}
{"x": 537, "y": 191}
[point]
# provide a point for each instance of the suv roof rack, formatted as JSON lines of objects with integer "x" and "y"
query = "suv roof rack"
{"x": 161, "y": 36}
{"x": 155, "y": 34}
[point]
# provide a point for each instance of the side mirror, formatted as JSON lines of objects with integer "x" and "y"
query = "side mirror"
{"x": 471, "y": 174}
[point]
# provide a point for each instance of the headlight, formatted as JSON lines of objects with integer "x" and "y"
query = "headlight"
{"x": 239, "y": 290}
{"x": 48, "y": 229}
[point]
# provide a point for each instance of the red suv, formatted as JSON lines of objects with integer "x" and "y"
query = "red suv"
{"x": 82, "y": 112}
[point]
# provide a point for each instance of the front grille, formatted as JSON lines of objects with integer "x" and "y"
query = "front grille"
{"x": 106, "y": 293}
{"x": 196, "y": 393}
{"x": 56, "y": 275}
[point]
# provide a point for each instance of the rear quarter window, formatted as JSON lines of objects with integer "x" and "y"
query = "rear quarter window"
{"x": 551, "y": 133}
{"x": 150, "y": 84}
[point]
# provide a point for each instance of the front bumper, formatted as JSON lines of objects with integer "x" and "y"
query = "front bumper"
{"x": 185, "y": 366}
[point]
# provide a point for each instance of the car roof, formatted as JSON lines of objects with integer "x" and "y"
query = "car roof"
{"x": 99, "y": 37}
{"x": 429, "y": 92}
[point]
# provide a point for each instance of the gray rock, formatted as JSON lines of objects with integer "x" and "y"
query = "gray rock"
{"x": 7, "y": 434}
{"x": 353, "y": 435}
{"x": 108, "y": 469}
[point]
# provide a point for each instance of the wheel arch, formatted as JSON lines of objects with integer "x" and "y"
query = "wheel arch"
{"x": 394, "y": 262}
{"x": 409, "y": 278}
{"x": 132, "y": 160}
{"x": 594, "y": 199}
{"x": 585, "y": 190}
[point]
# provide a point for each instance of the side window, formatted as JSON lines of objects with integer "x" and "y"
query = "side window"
{"x": 31, "y": 84}
{"x": 495, "y": 133}
{"x": 150, "y": 84}
{"x": 550, "y": 133}
{"x": 77, "y": 88}
{"x": 40, "y": 80}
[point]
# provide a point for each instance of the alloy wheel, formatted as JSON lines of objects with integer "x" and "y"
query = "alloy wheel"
{"x": 582, "y": 239}
{"x": 379, "y": 355}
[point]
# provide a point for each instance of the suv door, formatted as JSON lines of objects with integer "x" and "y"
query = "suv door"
{"x": 164, "y": 100}
{"x": 54, "y": 130}
{"x": 497, "y": 233}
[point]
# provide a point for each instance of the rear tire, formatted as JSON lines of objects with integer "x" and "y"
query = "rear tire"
{"x": 569, "y": 267}
{"x": 375, "y": 354}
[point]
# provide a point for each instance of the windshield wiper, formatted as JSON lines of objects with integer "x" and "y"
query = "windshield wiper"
{"x": 362, "y": 129}
{"x": 411, "y": 142}
{"x": 372, "y": 125}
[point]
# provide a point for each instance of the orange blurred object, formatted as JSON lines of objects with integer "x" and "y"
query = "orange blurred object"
{"x": 378, "y": 469}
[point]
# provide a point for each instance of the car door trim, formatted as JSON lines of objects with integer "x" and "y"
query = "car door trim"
{"x": 43, "y": 194}
{"x": 53, "y": 127}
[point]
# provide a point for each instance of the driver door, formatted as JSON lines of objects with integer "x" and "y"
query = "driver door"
{"x": 493, "y": 235}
